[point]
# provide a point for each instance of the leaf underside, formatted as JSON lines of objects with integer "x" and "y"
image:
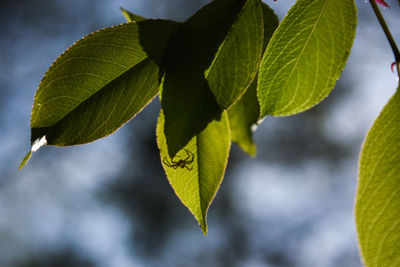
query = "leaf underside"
{"x": 196, "y": 182}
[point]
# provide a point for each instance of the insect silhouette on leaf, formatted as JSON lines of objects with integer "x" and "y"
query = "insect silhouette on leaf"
{"x": 183, "y": 163}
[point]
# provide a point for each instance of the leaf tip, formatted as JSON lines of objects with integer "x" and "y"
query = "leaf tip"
{"x": 25, "y": 160}
{"x": 38, "y": 143}
{"x": 203, "y": 226}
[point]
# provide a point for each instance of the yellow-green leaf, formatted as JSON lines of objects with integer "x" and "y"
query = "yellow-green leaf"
{"x": 196, "y": 172}
{"x": 378, "y": 194}
{"x": 306, "y": 55}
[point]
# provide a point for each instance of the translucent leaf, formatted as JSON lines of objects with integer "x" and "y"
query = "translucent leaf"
{"x": 100, "y": 83}
{"x": 209, "y": 62}
{"x": 306, "y": 55}
{"x": 378, "y": 195}
{"x": 244, "y": 114}
{"x": 196, "y": 172}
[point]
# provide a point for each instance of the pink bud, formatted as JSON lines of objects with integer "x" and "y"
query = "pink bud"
{"x": 383, "y": 3}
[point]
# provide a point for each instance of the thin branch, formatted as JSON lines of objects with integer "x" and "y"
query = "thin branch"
{"x": 389, "y": 36}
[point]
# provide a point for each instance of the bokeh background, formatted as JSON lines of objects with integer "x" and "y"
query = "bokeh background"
{"x": 108, "y": 203}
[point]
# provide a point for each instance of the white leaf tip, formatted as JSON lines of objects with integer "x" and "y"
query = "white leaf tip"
{"x": 39, "y": 143}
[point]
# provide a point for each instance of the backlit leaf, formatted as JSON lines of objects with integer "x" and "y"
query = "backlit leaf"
{"x": 378, "y": 194}
{"x": 209, "y": 62}
{"x": 197, "y": 181}
{"x": 99, "y": 83}
{"x": 244, "y": 114}
{"x": 306, "y": 55}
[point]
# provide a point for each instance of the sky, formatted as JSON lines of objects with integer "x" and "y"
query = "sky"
{"x": 109, "y": 204}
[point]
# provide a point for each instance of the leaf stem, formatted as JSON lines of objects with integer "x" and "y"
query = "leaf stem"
{"x": 389, "y": 36}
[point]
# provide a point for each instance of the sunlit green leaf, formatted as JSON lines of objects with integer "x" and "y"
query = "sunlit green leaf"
{"x": 209, "y": 62}
{"x": 378, "y": 194}
{"x": 306, "y": 55}
{"x": 244, "y": 114}
{"x": 99, "y": 83}
{"x": 196, "y": 181}
{"x": 131, "y": 17}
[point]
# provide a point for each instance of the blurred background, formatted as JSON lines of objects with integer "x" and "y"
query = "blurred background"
{"x": 108, "y": 203}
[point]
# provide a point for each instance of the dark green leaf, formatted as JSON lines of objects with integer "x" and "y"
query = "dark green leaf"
{"x": 306, "y": 55}
{"x": 378, "y": 195}
{"x": 196, "y": 181}
{"x": 210, "y": 61}
{"x": 99, "y": 83}
{"x": 243, "y": 115}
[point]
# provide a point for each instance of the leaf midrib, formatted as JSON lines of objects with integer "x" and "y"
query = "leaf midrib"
{"x": 89, "y": 96}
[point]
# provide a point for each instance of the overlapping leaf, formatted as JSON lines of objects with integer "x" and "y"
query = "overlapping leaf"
{"x": 244, "y": 114}
{"x": 197, "y": 180}
{"x": 99, "y": 83}
{"x": 306, "y": 55}
{"x": 378, "y": 194}
{"x": 209, "y": 62}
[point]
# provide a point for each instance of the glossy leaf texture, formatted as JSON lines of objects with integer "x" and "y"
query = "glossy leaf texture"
{"x": 378, "y": 194}
{"x": 244, "y": 114}
{"x": 209, "y": 62}
{"x": 100, "y": 83}
{"x": 196, "y": 181}
{"x": 306, "y": 55}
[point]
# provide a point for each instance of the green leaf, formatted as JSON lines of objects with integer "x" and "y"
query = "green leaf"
{"x": 378, "y": 195}
{"x": 99, "y": 83}
{"x": 209, "y": 62}
{"x": 244, "y": 114}
{"x": 25, "y": 160}
{"x": 131, "y": 17}
{"x": 306, "y": 55}
{"x": 196, "y": 182}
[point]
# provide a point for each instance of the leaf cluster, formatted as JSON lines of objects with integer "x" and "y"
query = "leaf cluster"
{"x": 217, "y": 75}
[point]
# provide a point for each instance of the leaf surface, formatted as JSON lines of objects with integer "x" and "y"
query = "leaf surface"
{"x": 100, "y": 83}
{"x": 207, "y": 158}
{"x": 378, "y": 194}
{"x": 209, "y": 62}
{"x": 244, "y": 114}
{"x": 306, "y": 55}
